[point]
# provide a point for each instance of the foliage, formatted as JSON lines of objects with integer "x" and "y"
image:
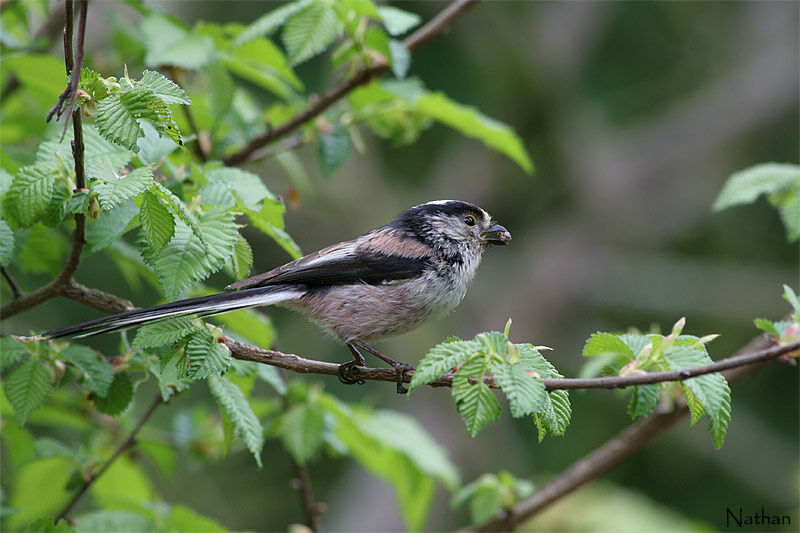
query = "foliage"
{"x": 491, "y": 493}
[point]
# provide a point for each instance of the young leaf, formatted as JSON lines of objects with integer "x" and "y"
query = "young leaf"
{"x": 643, "y": 400}
{"x": 158, "y": 224}
{"x": 711, "y": 390}
{"x": 169, "y": 44}
{"x": 790, "y": 296}
{"x": 233, "y": 402}
{"x": 109, "y": 226}
{"x": 27, "y": 388}
{"x": 745, "y": 186}
{"x": 266, "y": 24}
{"x": 303, "y": 429}
{"x": 120, "y": 394}
{"x": 11, "y": 351}
{"x": 177, "y": 206}
{"x": 472, "y": 123}
{"x": 164, "y": 88}
{"x": 400, "y": 58}
{"x": 333, "y": 149}
{"x": 475, "y": 402}
{"x": 607, "y": 343}
{"x": 207, "y": 357}
{"x": 117, "y": 116}
{"x": 165, "y": 333}
{"x": 6, "y": 244}
{"x": 440, "y": 359}
{"x": 96, "y": 374}
{"x": 245, "y": 186}
{"x": 525, "y": 393}
{"x": 30, "y": 193}
{"x": 397, "y": 21}
{"x": 113, "y": 192}
{"x": 310, "y": 31}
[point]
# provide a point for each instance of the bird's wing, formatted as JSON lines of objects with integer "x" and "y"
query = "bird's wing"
{"x": 346, "y": 262}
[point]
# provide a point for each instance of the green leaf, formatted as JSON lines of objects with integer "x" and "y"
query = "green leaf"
{"x": 607, "y": 343}
{"x": 57, "y": 208}
{"x": 643, "y": 400}
{"x": 267, "y": 23}
{"x": 711, "y": 391}
{"x": 153, "y": 148}
{"x": 30, "y": 193}
{"x": 109, "y": 226}
{"x": 303, "y": 430}
{"x": 472, "y": 123}
{"x": 440, "y": 359}
{"x": 233, "y": 402}
{"x": 270, "y": 375}
{"x": 475, "y": 402}
{"x": 104, "y": 521}
{"x": 745, "y": 186}
{"x": 103, "y": 159}
{"x": 397, "y": 21}
{"x": 11, "y": 351}
{"x": 46, "y": 525}
{"x": 43, "y": 251}
{"x": 27, "y": 388}
{"x": 400, "y": 58}
{"x": 180, "y": 263}
{"x": 220, "y": 90}
{"x": 113, "y": 192}
{"x": 120, "y": 394}
{"x": 39, "y": 488}
{"x": 242, "y": 258}
{"x": 263, "y": 63}
{"x": 245, "y": 186}
{"x": 165, "y": 333}
{"x": 250, "y": 324}
{"x": 554, "y": 416}
{"x": 6, "y": 244}
{"x": 790, "y": 296}
{"x": 262, "y": 220}
{"x": 788, "y": 205}
{"x": 181, "y": 519}
{"x": 169, "y": 44}
{"x": 96, "y": 374}
{"x": 333, "y": 149}
{"x": 525, "y": 393}
{"x": 310, "y": 31}
{"x": 207, "y": 357}
{"x": 158, "y": 224}
{"x": 164, "y": 88}
{"x": 123, "y": 486}
{"x": 117, "y": 116}
{"x": 177, "y": 206}
{"x": 766, "y": 326}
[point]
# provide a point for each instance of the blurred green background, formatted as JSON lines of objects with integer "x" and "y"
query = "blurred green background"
{"x": 634, "y": 114}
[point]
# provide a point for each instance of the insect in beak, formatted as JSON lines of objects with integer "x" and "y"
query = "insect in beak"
{"x": 496, "y": 234}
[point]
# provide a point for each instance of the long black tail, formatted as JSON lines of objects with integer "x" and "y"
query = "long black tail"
{"x": 202, "y": 306}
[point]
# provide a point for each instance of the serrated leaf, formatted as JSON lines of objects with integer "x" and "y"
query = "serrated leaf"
{"x": 472, "y": 123}
{"x": 169, "y": 44}
{"x": 56, "y": 210}
{"x": 766, "y": 326}
{"x": 47, "y": 524}
{"x": 6, "y": 244}
{"x": 233, "y": 401}
{"x": 440, "y": 359}
{"x": 11, "y": 351}
{"x": 220, "y": 90}
{"x": 302, "y": 432}
{"x": 102, "y": 158}
{"x": 207, "y": 357}
{"x": 710, "y": 390}
{"x": 310, "y": 31}
{"x": 27, "y": 388}
{"x": 267, "y": 23}
{"x": 165, "y": 333}
{"x": 96, "y": 374}
{"x": 263, "y": 63}
{"x": 245, "y": 186}
{"x": 164, "y": 88}
{"x": 790, "y": 296}
{"x": 643, "y": 400}
{"x": 219, "y": 232}
{"x": 30, "y": 193}
{"x": 607, "y": 343}
{"x": 153, "y": 148}
{"x": 181, "y": 263}
{"x": 113, "y": 192}
{"x": 119, "y": 396}
{"x": 117, "y": 116}
{"x": 554, "y": 415}
{"x": 177, "y": 206}
{"x": 745, "y": 186}
{"x": 109, "y": 226}
{"x": 333, "y": 149}
{"x": 242, "y": 258}
{"x": 158, "y": 223}
{"x": 525, "y": 393}
{"x": 475, "y": 402}
{"x": 397, "y": 21}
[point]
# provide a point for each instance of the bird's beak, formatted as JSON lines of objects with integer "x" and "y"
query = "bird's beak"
{"x": 496, "y": 234}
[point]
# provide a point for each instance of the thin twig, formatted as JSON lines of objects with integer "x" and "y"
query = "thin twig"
{"x": 126, "y": 444}
{"x": 302, "y": 483}
{"x": 15, "y": 292}
{"x": 610, "y": 454}
{"x": 433, "y": 28}
{"x": 73, "y": 66}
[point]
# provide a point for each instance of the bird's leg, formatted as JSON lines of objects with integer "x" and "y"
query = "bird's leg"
{"x": 346, "y": 369}
{"x": 400, "y": 368}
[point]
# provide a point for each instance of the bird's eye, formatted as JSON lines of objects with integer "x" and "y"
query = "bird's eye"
{"x": 469, "y": 220}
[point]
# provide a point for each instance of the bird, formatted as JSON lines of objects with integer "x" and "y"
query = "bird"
{"x": 386, "y": 282}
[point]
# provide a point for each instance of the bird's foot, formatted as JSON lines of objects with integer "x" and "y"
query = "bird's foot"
{"x": 400, "y": 369}
{"x": 347, "y": 375}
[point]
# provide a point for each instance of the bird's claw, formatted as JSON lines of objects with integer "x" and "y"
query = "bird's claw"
{"x": 346, "y": 374}
{"x": 400, "y": 369}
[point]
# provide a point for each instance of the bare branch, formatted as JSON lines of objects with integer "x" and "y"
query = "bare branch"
{"x": 15, "y": 292}
{"x": 126, "y": 444}
{"x": 602, "y": 459}
{"x": 433, "y": 28}
{"x": 73, "y": 66}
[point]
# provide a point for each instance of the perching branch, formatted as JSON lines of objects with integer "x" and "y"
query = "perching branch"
{"x": 126, "y": 444}
{"x": 12, "y": 284}
{"x": 61, "y": 283}
{"x": 602, "y": 459}
{"x": 433, "y": 28}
